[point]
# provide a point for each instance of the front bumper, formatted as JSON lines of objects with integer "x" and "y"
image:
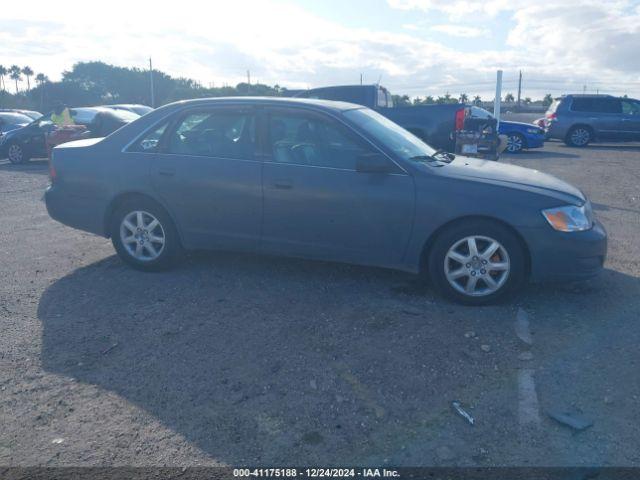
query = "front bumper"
{"x": 562, "y": 257}
{"x": 535, "y": 141}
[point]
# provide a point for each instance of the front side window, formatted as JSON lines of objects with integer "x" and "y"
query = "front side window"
{"x": 218, "y": 133}
{"x": 305, "y": 139}
{"x": 390, "y": 134}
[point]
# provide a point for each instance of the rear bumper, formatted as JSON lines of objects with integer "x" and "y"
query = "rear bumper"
{"x": 561, "y": 257}
{"x": 78, "y": 212}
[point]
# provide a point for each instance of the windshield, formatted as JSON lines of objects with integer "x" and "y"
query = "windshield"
{"x": 14, "y": 118}
{"x": 391, "y": 135}
{"x": 477, "y": 112}
{"x": 125, "y": 115}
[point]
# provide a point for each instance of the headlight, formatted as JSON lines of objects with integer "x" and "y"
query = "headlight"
{"x": 534, "y": 130}
{"x": 570, "y": 218}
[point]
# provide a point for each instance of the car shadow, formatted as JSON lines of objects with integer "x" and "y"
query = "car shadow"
{"x": 267, "y": 361}
{"x": 38, "y": 166}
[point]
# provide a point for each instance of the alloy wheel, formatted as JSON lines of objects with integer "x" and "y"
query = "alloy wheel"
{"x": 477, "y": 266}
{"x": 514, "y": 143}
{"x": 142, "y": 235}
{"x": 580, "y": 136}
{"x": 15, "y": 154}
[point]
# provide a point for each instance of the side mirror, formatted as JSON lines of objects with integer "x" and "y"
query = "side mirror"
{"x": 373, "y": 163}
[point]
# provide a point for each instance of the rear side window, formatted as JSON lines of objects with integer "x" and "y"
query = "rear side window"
{"x": 150, "y": 142}
{"x": 217, "y": 133}
{"x": 630, "y": 107}
{"x": 554, "y": 106}
{"x": 596, "y": 105}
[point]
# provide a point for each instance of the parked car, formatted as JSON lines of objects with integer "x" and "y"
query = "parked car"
{"x": 32, "y": 114}
{"x": 435, "y": 124}
{"x": 326, "y": 180}
{"x": 12, "y": 120}
{"x": 520, "y": 136}
{"x": 581, "y": 119}
{"x": 30, "y": 141}
{"x": 135, "y": 108}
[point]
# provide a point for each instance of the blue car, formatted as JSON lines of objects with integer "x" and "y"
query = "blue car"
{"x": 520, "y": 136}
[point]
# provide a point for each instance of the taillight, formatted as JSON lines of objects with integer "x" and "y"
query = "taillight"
{"x": 551, "y": 116}
{"x": 460, "y": 119}
{"x": 52, "y": 172}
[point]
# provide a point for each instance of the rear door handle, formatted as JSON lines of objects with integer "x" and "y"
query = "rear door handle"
{"x": 167, "y": 172}
{"x": 283, "y": 184}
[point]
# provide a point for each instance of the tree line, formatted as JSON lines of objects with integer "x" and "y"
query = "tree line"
{"x": 98, "y": 83}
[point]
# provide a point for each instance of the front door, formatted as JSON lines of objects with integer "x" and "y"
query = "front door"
{"x": 631, "y": 119}
{"x": 315, "y": 202}
{"x": 207, "y": 175}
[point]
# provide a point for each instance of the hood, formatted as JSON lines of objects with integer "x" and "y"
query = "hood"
{"x": 512, "y": 176}
{"x": 518, "y": 124}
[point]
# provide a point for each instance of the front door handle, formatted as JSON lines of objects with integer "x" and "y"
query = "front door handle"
{"x": 167, "y": 172}
{"x": 283, "y": 184}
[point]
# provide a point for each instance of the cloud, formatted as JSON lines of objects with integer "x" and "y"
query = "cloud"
{"x": 558, "y": 47}
{"x": 461, "y": 30}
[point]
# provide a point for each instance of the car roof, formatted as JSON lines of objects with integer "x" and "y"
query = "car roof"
{"x": 272, "y": 101}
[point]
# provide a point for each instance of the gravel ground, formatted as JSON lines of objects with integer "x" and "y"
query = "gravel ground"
{"x": 237, "y": 359}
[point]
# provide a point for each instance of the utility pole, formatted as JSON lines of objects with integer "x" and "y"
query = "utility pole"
{"x": 153, "y": 99}
{"x": 519, "y": 88}
{"x": 584, "y": 89}
{"x": 248, "y": 77}
{"x": 497, "y": 100}
{"x": 360, "y": 79}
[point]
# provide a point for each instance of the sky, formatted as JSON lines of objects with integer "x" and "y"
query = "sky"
{"x": 413, "y": 47}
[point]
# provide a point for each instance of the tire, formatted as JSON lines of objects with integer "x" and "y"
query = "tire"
{"x": 515, "y": 143}
{"x": 16, "y": 154}
{"x": 455, "y": 277}
{"x": 579, "y": 136}
{"x": 139, "y": 240}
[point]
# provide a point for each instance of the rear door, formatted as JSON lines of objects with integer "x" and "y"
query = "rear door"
{"x": 603, "y": 114}
{"x": 315, "y": 202}
{"x": 207, "y": 174}
{"x": 631, "y": 119}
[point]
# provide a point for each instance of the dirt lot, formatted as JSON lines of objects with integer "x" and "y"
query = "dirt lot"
{"x": 236, "y": 359}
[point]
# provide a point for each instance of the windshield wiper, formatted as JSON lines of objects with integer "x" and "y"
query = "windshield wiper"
{"x": 438, "y": 158}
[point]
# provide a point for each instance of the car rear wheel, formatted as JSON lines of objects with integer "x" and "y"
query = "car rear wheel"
{"x": 515, "y": 143}
{"x": 579, "y": 137}
{"x": 144, "y": 235}
{"x": 477, "y": 262}
{"x": 16, "y": 154}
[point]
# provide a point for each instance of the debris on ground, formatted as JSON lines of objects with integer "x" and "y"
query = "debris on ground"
{"x": 104, "y": 352}
{"x": 485, "y": 348}
{"x": 526, "y": 356}
{"x": 462, "y": 412}
{"x": 571, "y": 419}
{"x": 470, "y": 334}
{"x": 57, "y": 441}
{"x": 313, "y": 384}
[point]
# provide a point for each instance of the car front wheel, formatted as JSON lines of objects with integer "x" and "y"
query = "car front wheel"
{"x": 515, "y": 143}
{"x": 144, "y": 235}
{"x": 477, "y": 262}
{"x": 16, "y": 154}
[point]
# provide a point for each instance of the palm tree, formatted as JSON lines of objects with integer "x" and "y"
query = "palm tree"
{"x": 14, "y": 74}
{"x": 464, "y": 98}
{"x": 509, "y": 98}
{"x": 477, "y": 100}
{"x": 3, "y": 72}
{"x": 27, "y": 73}
{"x": 41, "y": 79}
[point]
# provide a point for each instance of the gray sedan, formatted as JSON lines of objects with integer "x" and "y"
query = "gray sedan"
{"x": 325, "y": 180}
